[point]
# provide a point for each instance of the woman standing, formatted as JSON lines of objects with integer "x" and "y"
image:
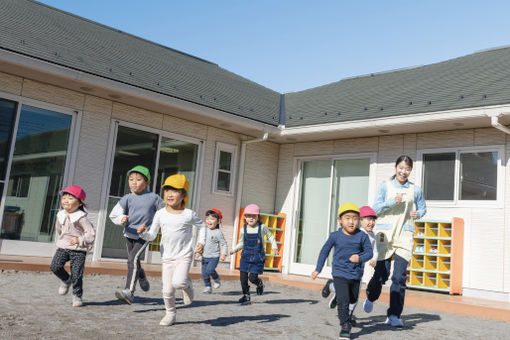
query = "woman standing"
{"x": 395, "y": 207}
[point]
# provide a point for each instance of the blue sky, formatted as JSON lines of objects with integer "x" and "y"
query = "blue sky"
{"x": 295, "y": 45}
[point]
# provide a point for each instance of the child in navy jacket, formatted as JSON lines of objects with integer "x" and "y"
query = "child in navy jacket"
{"x": 352, "y": 249}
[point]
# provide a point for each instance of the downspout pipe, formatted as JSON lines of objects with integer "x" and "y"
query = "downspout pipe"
{"x": 240, "y": 180}
{"x": 496, "y": 124}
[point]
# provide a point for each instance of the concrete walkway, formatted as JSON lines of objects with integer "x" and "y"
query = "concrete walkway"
{"x": 414, "y": 298}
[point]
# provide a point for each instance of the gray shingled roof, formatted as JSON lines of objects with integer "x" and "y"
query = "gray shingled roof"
{"x": 475, "y": 80}
{"x": 46, "y": 33}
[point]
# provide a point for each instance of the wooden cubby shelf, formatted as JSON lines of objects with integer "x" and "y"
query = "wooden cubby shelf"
{"x": 276, "y": 224}
{"x": 436, "y": 262}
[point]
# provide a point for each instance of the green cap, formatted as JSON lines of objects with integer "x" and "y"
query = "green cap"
{"x": 142, "y": 170}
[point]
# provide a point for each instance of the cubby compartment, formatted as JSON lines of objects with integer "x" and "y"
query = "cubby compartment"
{"x": 444, "y": 247}
{"x": 417, "y": 262}
{"x": 443, "y": 281}
{"x": 429, "y": 280}
{"x": 430, "y": 262}
{"x": 445, "y": 230}
{"x": 416, "y": 278}
{"x": 419, "y": 228}
{"x": 431, "y": 246}
{"x": 443, "y": 264}
{"x": 419, "y": 245}
{"x": 431, "y": 229}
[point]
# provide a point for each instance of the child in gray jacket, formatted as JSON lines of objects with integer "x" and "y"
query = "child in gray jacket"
{"x": 214, "y": 245}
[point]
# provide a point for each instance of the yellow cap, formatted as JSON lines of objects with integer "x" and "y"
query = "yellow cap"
{"x": 348, "y": 206}
{"x": 178, "y": 181}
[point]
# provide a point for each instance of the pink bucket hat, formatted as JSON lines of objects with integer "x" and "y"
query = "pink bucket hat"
{"x": 252, "y": 209}
{"x": 76, "y": 191}
{"x": 366, "y": 211}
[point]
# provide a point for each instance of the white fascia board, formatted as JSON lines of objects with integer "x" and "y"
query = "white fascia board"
{"x": 84, "y": 78}
{"x": 406, "y": 120}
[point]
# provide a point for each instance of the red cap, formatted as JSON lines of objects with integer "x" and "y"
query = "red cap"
{"x": 216, "y": 211}
{"x": 366, "y": 211}
{"x": 76, "y": 191}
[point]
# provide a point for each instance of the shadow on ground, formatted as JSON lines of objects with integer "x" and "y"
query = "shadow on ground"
{"x": 230, "y": 320}
{"x": 373, "y": 324}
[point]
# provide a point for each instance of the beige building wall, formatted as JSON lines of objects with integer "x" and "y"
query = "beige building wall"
{"x": 96, "y": 117}
{"x": 486, "y": 231}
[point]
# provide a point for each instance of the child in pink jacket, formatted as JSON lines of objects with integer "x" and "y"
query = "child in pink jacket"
{"x": 75, "y": 236}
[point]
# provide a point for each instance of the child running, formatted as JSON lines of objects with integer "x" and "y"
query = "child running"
{"x": 75, "y": 236}
{"x": 253, "y": 257}
{"x": 134, "y": 210}
{"x": 368, "y": 217}
{"x": 352, "y": 248}
{"x": 176, "y": 224}
{"x": 214, "y": 244}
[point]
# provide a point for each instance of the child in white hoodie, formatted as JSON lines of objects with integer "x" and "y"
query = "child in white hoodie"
{"x": 75, "y": 236}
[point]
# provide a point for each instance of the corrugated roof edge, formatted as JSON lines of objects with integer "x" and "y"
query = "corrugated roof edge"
{"x": 140, "y": 87}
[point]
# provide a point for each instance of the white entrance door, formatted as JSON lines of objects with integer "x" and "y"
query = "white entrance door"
{"x": 325, "y": 184}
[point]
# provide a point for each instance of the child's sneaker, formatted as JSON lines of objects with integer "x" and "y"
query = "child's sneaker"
{"x": 216, "y": 283}
{"x": 125, "y": 296}
{"x": 260, "y": 287}
{"x": 394, "y": 321}
{"x": 77, "y": 301}
{"x": 325, "y": 290}
{"x": 64, "y": 287}
{"x": 187, "y": 294}
{"x": 208, "y": 290}
{"x": 245, "y": 299}
{"x": 368, "y": 306}
{"x": 345, "y": 332}
{"x": 168, "y": 319}
{"x": 332, "y": 302}
{"x": 144, "y": 284}
{"x": 353, "y": 321}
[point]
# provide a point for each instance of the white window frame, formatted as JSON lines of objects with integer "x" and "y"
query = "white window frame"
{"x": 456, "y": 202}
{"x": 232, "y": 150}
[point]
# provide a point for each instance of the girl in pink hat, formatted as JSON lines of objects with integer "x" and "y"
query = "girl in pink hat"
{"x": 75, "y": 236}
{"x": 253, "y": 257}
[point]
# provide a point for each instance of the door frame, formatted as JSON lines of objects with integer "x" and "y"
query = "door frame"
{"x": 110, "y": 156}
{"x": 34, "y": 248}
{"x": 307, "y": 269}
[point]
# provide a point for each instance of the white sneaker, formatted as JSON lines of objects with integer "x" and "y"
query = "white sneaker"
{"x": 77, "y": 301}
{"x": 64, "y": 287}
{"x": 394, "y": 321}
{"x": 208, "y": 290}
{"x": 368, "y": 306}
{"x": 216, "y": 284}
{"x": 168, "y": 320}
{"x": 187, "y": 294}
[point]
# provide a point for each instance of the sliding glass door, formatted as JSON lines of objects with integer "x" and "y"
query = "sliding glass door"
{"x": 163, "y": 155}
{"x": 33, "y": 160}
{"x": 324, "y": 185}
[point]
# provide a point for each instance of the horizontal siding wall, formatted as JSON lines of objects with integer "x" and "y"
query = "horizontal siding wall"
{"x": 486, "y": 230}
{"x": 97, "y": 115}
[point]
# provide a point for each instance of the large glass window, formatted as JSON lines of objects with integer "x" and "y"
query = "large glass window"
{"x": 36, "y": 175}
{"x": 137, "y": 147}
{"x": 474, "y": 179}
{"x": 439, "y": 176}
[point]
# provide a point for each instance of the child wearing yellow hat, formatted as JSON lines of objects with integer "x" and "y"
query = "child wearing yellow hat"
{"x": 176, "y": 223}
{"x": 352, "y": 249}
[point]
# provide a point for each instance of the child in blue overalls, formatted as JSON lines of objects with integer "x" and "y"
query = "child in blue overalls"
{"x": 251, "y": 241}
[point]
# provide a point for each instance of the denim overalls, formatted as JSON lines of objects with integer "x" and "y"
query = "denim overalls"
{"x": 253, "y": 255}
